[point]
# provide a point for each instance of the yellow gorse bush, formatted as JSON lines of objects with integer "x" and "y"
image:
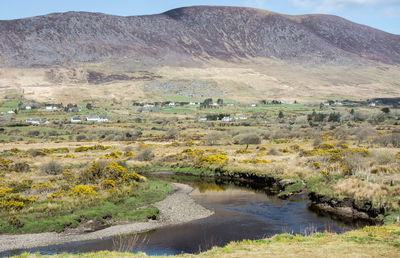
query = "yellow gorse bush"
{"x": 80, "y": 190}
{"x": 95, "y": 147}
{"x": 242, "y": 151}
{"x": 211, "y": 159}
{"x": 255, "y": 161}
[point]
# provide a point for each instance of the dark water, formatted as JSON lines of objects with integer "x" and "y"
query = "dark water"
{"x": 240, "y": 213}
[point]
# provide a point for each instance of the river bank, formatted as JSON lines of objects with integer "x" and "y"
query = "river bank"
{"x": 178, "y": 207}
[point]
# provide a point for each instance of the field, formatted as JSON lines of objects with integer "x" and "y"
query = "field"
{"x": 58, "y": 175}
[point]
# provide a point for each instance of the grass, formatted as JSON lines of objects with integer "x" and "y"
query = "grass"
{"x": 177, "y": 111}
{"x": 132, "y": 209}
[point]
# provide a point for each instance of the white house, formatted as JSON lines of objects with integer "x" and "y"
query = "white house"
{"x": 192, "y": 103}
{"x": 372, "y": 104}
{"x": 28, "y": 107}
{"x": 172, "y": 104}
{"x": 253, "y": 105}
{"x": 97, "y": 119}
{"x": 226, "y": 119}
{"x": 51, "y": 108}
{"x": 76, "y": 119}
{"x": 33, "y": 121}
{"x": 148, "y": 106}
{"x": 240, "y": 117}
{"x": 45, "y": 122}
{"x": 103, "y": 119}
{"x": 203, "y": 118}
{"x": 230, "y": 105}
{"x": 11, "y": 112}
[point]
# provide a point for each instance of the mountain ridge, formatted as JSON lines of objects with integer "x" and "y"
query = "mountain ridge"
{"x": 193, "y": 34}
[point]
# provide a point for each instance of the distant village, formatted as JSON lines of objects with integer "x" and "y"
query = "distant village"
{"x": 169, "y": 105}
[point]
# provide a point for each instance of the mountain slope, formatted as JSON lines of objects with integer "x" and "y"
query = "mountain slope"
{"x": 192, "y": 34}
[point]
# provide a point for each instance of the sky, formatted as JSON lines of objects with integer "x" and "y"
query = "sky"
{"x": 381, "y": 14}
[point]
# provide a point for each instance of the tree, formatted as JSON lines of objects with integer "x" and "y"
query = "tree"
{"x": 220, "y": 102}
{"x": 250, "y": 139}
{"x": 385, "y": 110}
{"x": 334, "y": 117}
{"x": 89, "y": 106}
{"x": 280, "y": 115}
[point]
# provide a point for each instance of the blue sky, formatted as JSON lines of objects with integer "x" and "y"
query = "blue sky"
{"x": 381, "y": 14}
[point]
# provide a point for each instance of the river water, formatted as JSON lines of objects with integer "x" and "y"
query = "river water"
{"x": 241, "y": 212}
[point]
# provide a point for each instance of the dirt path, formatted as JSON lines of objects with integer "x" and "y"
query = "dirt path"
{"x": 176, "y": 208}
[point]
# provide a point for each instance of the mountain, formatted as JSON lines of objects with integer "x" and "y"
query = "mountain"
{"x": 193, "y": 35}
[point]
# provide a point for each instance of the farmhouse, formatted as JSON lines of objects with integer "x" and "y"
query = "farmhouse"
{"x": 76, "y": 119}
{"x": 240, "y": 117}
{"x": 96, "y": 119}
{"x": 51, "y": 108}
{"x": 226, "y": 119}
{"x": 33, "y": 121}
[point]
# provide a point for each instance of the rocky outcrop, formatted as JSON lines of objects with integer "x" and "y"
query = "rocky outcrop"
{"x": 192, "y": 35}
{"x": 347, "y": 209}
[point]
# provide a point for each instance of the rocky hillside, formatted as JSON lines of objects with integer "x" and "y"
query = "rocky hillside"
{"x": 192, "y": 34}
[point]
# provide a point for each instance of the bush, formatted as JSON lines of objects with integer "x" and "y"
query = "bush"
{"x": 145, "y": 155}
{"x": 52, "y": 168}
{"x": 250, "y": 139}
{"x": 21, "y": 167}
{"x": 34, "y": 133}
{"x": 81, "y": 137}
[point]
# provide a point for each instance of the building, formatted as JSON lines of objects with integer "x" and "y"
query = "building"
{"x": 226, "y": 119}
{"x": 230, "y": 105}
{"x": 103, "y": 119}
{"x": 51, "y": 108}
{"x": 97, "y": 119}
{"x": 33, "y": 121}
{"x": 240, "y": 117}
{"x": 11, "y": 112}
{"x": 76, "y": 119}
{"x": 172, "y": 104}
{"x": 192, "y": 103}
{"x": 203, "y": 118}
{"x": 253, "y": 105}
{"x": 28, "y": 107}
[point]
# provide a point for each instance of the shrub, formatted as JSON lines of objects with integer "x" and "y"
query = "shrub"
{"x": 317, "y": 142}
{"x": 211, "y": 159}
{"x": 326, "y": 146}
{"x": 79, "y": 190}
{"x": 273, "y": 151}
{"x": 81, "y": 137}
{"x": 52, "y": 168}
{"x": 145, "y": 155}
{"x": 34, "y": 133}
{"x": 250, "y": 139}
{"x": 21, "y": 167}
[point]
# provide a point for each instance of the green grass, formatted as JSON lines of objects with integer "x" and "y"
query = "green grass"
{"x": 177, "y": 110}
{"x": 146, "y": 193}
{"x": 296, "y": 187}
{"x": 178, "y": 98}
